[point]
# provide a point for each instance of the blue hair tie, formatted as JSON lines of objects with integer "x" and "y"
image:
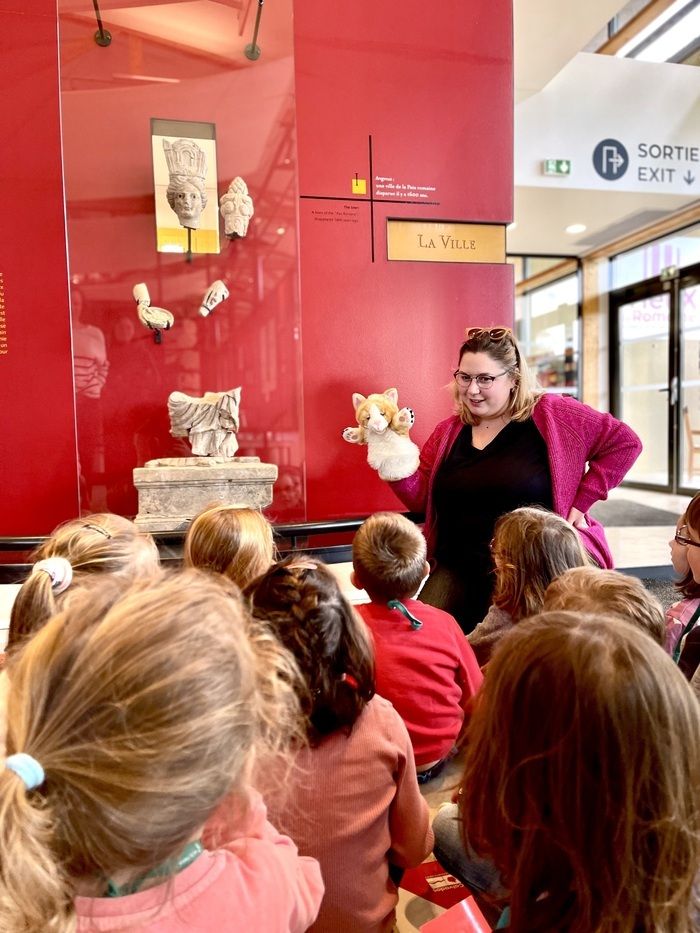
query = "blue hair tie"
{"x": 27, "y": 768}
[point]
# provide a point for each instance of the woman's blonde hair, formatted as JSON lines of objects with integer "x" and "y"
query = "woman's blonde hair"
{"x": 94, "y": 545}
{"x": 236, "y": 542}
{"x": 501, "y": 345}
{"x": 610, "y": 593}
{"x": 144, "y": 709}
{"x": 582, "y": 778}
{"x": 531, "y": 547}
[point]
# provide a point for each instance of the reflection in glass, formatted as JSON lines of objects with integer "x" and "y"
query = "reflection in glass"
{"x": 548, "y": 329}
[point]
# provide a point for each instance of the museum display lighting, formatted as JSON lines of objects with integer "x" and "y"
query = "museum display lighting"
{"x": 575, "y": 228}
{"x": 676, "y": 29}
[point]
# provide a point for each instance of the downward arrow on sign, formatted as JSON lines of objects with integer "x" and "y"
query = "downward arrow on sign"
{"x": 688, "y": 178}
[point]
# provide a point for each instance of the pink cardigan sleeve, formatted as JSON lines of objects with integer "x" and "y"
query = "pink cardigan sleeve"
{"x": 413, "y": 491}
{"x": 613, "y": 449}
{"x": 409, "y": 817}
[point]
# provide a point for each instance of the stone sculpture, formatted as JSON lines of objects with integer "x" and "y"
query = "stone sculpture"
{"x": 187, "y": 167}
{"x": 156, "y": 319}
{"x": 215, "y": 294}
{"x": 236, "y": 207}
{"x": 210, "y": 422}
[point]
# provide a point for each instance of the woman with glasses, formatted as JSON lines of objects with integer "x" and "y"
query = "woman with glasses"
{"x": 508, "y": 445}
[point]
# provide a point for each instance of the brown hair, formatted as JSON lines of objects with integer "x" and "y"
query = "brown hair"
{"x": 93, "y": 545}
{"x": 688, "y": 585}
{"x": 500, "y": 344}
{"x": 236, "y": 542}
{"x": 610, "y": 593}
{"x": 301, "y": 601}
{"x": 144, "y": 709}
{"x": 582, "y": 778}
{"x": 531, "y": 547}
{"x": 388, "y": 556}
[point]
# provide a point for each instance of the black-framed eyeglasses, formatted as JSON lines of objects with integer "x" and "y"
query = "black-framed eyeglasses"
{"x": 483, "y": 380}
{"x": 683, "y": 539}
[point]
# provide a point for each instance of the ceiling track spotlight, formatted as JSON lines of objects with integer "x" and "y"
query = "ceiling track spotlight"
{"x": 103, "y": 37}
{"x": 252, "y": 51}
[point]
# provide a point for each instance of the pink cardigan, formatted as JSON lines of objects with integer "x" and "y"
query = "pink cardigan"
{"x": 589, "y": 453}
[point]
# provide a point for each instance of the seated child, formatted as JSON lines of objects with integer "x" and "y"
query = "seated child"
{"x": 353, "y": 801}
{"x": 682, "y": 630}
{"x": 77, "y": 553}
{"x": 424, "y": 664}
{"x": 530, "y": 548}
{"x": 149, "y": 712}
{"x": 236, "y": 542}
{"x": 581, "y": 779}
{"x": 610, "y": 593}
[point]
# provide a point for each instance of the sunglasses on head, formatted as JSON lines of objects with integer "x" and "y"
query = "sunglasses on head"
{"x": 493, "y": 333}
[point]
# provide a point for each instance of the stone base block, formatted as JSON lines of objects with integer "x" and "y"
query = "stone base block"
{"x": 174, "y": 489}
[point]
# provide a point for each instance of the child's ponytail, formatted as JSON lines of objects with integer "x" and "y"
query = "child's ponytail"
{"x": 33, "y": 607}
{"x": 34, "y": 895}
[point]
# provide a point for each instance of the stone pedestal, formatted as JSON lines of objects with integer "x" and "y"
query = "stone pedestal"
{"x": 174, "y": 489}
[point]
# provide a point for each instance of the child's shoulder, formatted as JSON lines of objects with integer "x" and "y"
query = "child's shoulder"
{"x": 682, "y": 611}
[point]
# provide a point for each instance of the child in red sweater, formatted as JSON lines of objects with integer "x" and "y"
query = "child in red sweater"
{"x": 424, "y": 663}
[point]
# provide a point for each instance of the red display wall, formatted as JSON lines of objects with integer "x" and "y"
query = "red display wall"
{"x": 38, "y": 465}
{"x": 417, "y": 102}
{"x": 414, "y": 102}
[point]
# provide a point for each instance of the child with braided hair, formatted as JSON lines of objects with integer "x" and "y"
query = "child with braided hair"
{"x": 354, "y": 802}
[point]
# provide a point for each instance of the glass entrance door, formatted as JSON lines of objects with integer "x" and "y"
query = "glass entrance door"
{"x": 655, "y": 378}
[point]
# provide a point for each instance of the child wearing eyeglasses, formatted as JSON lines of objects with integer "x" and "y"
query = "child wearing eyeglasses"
{"x": 682, "y": 630}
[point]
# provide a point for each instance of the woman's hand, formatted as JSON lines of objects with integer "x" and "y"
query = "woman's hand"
{"x": 577, "y": 519}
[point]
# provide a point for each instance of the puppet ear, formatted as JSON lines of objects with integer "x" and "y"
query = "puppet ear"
{"x": 357, "y": 399}
{"x": 392, "y": 395}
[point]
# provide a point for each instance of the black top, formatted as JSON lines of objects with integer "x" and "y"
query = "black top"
{"x": 474, "y": 487}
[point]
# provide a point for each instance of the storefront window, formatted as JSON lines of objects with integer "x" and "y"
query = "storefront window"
{"x": 646, "y": 262}
{"x": 547, "y": 326}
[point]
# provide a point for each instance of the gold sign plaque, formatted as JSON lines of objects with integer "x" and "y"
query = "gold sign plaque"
{"x": 434, "y": 241}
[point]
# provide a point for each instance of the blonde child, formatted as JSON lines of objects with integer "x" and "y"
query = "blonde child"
{"x": 424, "y": 664}
{"x": 682, "y": 641}
{"x": 354, "y": 803}
{"x": 130, "y": 718}
{"x": 530, "y": 548}
{"x": 235, "y": 542}
{"x": 77, "y": 553}
{"x": 609, "y": 593}
{"x": 582, "y": 779}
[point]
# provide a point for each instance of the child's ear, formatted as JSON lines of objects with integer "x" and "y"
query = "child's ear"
{"x": 357, "y": 399}
{"x": 355, "y": 581}
{"x": 392, "y": 395}
{"x": 426, "y": 569}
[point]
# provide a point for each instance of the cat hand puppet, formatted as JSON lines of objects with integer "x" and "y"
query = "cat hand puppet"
{"x": 384, "y": 427}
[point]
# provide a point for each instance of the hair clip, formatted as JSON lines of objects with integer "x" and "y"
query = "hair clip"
{"x": 350, "y": 681}
{"x": 98, "y": 528}
{"x": 59, "y": 570}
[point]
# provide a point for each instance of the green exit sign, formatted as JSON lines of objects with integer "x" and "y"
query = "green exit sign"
{"x": 559, "y": 167}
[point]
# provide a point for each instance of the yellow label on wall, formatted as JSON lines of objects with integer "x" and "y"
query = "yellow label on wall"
{"x": 359, "y": 186}
{"x": 432, "y": 241}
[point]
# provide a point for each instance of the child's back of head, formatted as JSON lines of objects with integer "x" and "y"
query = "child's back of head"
{"x": 583, "y": 777}
{"x": 235, "y": 542}
{"x": 301, "y": 601}
{"x": 143, "y": 710}
{"x": 388, "y": 557}
{"x": 607, "y": 592}
{"x": 531, "y": 547}
{"x": 76, "y": 553}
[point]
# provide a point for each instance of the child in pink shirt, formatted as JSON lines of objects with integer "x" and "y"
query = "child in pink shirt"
{"x": 353, "y": 801}
{"x": 131, "y": 715}
{"x": 425, "y": 665}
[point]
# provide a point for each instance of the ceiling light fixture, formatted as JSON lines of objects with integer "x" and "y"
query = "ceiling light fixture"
{"x": 666, "y": 35}
{"x": 103, "y": 37}
{"x": 252, "y": 51}
{"x": 575, "y": 228}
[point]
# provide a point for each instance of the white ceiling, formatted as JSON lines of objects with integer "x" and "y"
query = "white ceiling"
{"x": 548, "y": 34}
